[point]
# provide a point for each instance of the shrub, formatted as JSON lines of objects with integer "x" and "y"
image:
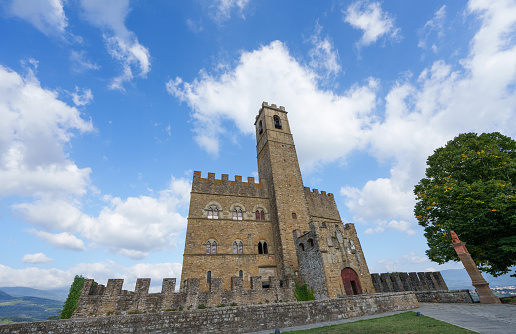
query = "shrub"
{"x": 73, "y": 297}
{"x": 201, "y": 307}
{"x": 303, "y": 293}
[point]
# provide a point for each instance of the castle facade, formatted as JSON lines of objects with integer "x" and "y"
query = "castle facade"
{"x": 274, "y": 228}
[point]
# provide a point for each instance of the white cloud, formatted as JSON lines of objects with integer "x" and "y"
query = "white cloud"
{"x": 121, "y": 43}
{"x": 36, "y": 258}
{"x": 408, "y": 262}
{"x": 34, "y": 129}
{"x": 61, "y": 240}
{"x": 447, "y": 99}
{"x": 222, "y": 9}
{"x": 46, "y": 15}
{"x": 100, "y": 272}
{"x": 82, "y": 97}
{"x": 130, "y": 227}
{"x": 324, "y": 56}
{"x": 194, "y": 26}
{"x": 81, "y": 62}
{"x": 271, "y": 74}
{"x": 436, "y": 24}
{"x": 369, "y": 17}
{"x": 413, "y": 258}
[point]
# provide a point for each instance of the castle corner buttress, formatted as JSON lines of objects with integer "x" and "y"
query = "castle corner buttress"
{"x": 275, "y": 228}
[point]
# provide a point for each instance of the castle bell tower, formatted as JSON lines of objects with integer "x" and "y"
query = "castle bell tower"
{"x": 278, "y": 167}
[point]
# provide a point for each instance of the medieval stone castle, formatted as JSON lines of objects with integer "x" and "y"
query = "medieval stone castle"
{"x": 275, "y": 228}
{"x": 247, "y": 243}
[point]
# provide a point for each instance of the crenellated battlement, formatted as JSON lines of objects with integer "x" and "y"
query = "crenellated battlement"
{"x": 224, "y": 186}
{"x": 396, "y": 282}
{"x": 321, "y": 205}
{"x": 100, "y": 300}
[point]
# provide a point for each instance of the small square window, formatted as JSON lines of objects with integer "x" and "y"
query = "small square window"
{"x": 294, "y": 216}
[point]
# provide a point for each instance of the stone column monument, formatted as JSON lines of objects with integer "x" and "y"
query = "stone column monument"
{"x": 485, "y": 294}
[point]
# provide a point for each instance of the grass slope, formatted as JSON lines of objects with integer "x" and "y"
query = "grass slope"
{"x": 407, "y": 322}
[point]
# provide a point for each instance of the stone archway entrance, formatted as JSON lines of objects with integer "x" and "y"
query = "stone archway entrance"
{"x": 351, "y": 282}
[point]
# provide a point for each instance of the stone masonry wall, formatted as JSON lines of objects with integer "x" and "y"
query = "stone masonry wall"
{"x": 444, "y": 296}
{"x": 429, "y": 287}
{"x": 112, "y": 300}
{"x": 242, "y": 319}
{"x": 395, "y": 282}
{"x": 321, "y": 206}
{"x": 227, "y": 195}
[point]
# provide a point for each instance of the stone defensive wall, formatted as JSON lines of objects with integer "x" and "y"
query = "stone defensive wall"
{"x": 428, "y": 286}
{"x": 224, "y": 186}
{"x": 100, "y": 300}
{"x": 321, "y": 205}
{"x": 240, "y": 319}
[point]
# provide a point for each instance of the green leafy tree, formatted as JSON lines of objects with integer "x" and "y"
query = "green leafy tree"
{"x": 470, "y": 188}
{"x": 73, "y": 297}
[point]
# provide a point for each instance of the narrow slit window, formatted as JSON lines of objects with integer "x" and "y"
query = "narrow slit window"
{"x": 235, "y": 248}
{"x": 258, "y": 215}
{"x": 260, "y": 248}
{"x": 262, "y": 215}
{"x": 240, "y": 274}
{"x": 214, "y": 247}
{"x": 265, "y": 249}
{"x": 302, "y": 247}
{"x": 208, "y": 277}
{"x": 240, "y": 247}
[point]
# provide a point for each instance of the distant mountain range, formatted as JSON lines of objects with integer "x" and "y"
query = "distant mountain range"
{"x": 459, "y": 279}
{"x": 22, "y": 309}
{"x": 54, "y": 294}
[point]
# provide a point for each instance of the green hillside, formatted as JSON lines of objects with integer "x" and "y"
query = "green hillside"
{"x": 22, "y": 309}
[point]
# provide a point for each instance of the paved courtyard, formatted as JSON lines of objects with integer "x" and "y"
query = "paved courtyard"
{"x": 480, "y": 318}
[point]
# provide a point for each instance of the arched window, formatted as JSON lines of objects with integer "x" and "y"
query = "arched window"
{"x": 311, "y": 242}
{"x": 213, "y": 212}
{"x": 214, "y": 247}
{"x": 277, "y": 122}
{"x": 260, "y": 127}
{"x": 240, "y": 274}
{"x": 208, "y": 247}
{"x": 237, "y": 214}
{"x": 211, "y": 246}
{"x": 238, "y": 247}
{"x": 262, "y": 247}
{"x": 260, "y": 215}
{"x": 302, "y": 247}
{"x": 208, "y": 277}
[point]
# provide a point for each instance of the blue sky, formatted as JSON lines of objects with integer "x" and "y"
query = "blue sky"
{"x": 106, "y": 110}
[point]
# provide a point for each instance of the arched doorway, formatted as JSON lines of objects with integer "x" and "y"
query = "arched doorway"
{"x": 351, "y": 282}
